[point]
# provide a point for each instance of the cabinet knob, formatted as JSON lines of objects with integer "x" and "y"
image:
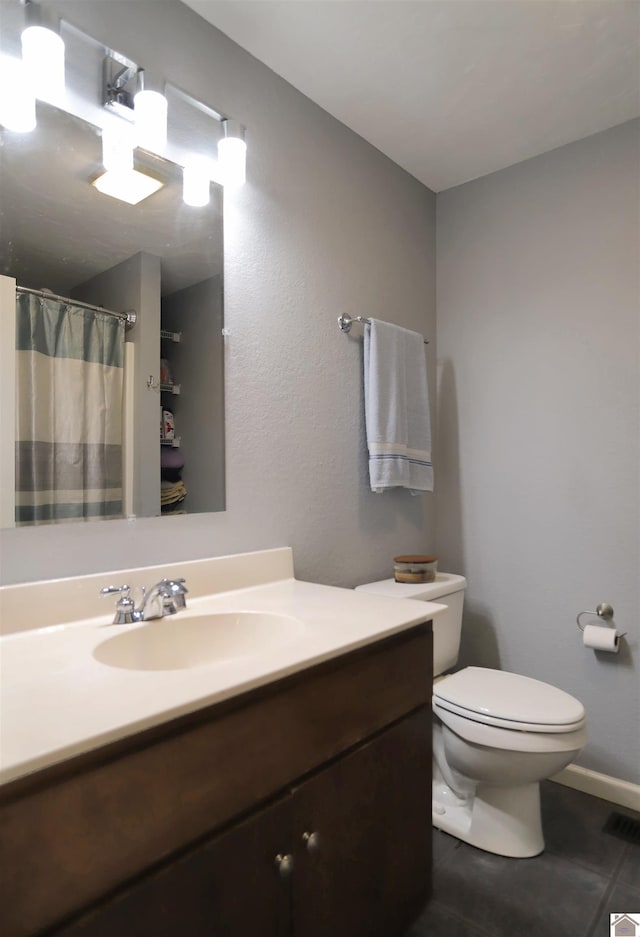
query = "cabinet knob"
{"x": 284, "y": 864}
{"x": 312, "y": 841}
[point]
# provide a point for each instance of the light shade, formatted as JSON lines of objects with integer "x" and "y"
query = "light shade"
{"x": 196, "y": 180}
{"x": 17, "y": 100}
{"x": 43, "y": 56}
{"x": 232, "y": 154}
{"x": 129, "y": 185}
{"x": 150, "y": 115}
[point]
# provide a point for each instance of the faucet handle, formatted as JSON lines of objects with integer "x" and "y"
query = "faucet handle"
{"x": 125, "y": 606}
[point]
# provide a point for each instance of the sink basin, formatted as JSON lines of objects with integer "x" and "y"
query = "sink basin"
{"x": 177, "y": 643}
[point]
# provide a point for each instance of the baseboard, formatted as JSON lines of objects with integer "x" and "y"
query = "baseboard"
{"x": 615, "y": 790}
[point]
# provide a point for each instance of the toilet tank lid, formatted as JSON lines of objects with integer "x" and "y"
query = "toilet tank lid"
{"x": 508, "y": 696}
{"x": 444, "y": 584}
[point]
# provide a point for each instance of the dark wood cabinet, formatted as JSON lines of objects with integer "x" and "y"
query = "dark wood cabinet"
{"x": 369, "y": 873}
{"x": 300, "y": 810}
{"x": 336, "y": 855}
{"x": 227, "y": 887}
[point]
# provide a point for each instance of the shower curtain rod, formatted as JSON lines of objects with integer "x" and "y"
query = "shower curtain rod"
{"x": 129, "y": 317}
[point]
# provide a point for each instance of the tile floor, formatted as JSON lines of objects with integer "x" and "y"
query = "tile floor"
{"x": 567, "y": 891}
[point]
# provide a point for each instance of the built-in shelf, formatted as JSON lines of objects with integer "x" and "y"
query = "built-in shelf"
{"x": 171, "y": 336}
{"x": 169, "y": 386}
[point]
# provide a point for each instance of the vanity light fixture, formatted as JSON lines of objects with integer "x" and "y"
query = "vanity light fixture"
{"x": 125, "y": 95}
{"x": 127, "y": 185}
{"x": 150, "y": 116}
{"x": 232, "y": 154}
{"x": 43, "y": 53}
{"x": 17, "y": 101}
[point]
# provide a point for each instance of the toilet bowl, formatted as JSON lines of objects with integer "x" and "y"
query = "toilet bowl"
{"x": 496, "y": 735}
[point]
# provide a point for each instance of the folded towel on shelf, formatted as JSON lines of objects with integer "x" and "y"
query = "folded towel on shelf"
{"x": 175, "y": 493}
{"x": 170, "y": 493}
{"x": 397, "y": 409}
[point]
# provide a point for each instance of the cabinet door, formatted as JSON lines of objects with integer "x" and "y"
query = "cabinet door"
{"x": 228, "y": 887}
{"x": 368, "y": 871}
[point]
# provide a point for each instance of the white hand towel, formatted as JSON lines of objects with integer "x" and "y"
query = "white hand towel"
{"x": 397, "y": 409}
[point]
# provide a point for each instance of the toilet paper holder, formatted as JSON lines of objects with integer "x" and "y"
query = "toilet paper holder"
{"x": 603, "y": 610}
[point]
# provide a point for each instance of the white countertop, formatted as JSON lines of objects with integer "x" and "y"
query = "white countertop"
{"x": 58, "y": 700}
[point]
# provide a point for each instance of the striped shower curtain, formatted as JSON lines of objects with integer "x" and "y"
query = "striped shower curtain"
{"x": 69, "y": 381}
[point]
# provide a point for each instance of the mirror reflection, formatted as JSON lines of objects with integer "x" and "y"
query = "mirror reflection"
{"x": 161, "y": 440}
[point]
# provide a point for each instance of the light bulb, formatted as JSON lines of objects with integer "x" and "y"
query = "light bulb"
{"x": 232, "y": 154}
{"x": 43, "y": 56}
{"x": 196, "y": 179}
{"x": 150, "y": 110}
{"x": 17, "y": 101}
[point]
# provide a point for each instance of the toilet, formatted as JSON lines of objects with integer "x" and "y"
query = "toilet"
{"x": 496, "y": 735}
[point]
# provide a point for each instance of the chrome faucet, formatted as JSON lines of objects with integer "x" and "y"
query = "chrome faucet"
{"x": 165, "y": 598}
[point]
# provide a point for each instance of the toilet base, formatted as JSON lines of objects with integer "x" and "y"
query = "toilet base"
{"x": 503, "y": 820}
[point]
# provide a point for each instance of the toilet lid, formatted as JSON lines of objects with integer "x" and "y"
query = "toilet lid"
{"x": 507, "y": 699}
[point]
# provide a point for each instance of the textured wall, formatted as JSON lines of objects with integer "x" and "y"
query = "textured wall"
{"x": 539, "y": 423}
{"x": 325, "y": 225}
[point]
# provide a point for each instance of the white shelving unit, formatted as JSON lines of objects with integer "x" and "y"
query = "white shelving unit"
{"x": 171, "y": 336}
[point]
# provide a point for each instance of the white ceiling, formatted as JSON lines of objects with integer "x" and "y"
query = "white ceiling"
{"x": 451, "y": 89}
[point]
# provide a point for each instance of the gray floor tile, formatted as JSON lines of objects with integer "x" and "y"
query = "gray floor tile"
{"x": 630, "y": 868}
{"x": 548, "y": 896}
{"x": 443, "y": 846}
{"x": 568, "y": 891}
{"x": 621, "y": 899}
{"x": 572, "y": 824}
{"x": 436, "y": 921}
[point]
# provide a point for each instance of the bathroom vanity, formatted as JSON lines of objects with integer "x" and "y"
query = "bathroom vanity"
{"x": 291, "y": 798}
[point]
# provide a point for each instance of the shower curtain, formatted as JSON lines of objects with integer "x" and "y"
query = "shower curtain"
{"x": 69, "y": 384}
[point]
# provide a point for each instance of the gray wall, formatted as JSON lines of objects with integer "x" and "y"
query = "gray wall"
{"x": 325, "y": 225}
{"x": 539, "y": 425}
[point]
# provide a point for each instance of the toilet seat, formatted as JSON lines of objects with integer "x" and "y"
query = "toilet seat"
{"x": 508, "y": 701}
{"x": 512, "y": 740}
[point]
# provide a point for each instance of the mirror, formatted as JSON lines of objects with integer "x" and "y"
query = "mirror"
{"x": 162, "y": 259}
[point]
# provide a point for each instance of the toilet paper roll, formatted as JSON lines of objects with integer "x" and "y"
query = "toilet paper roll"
{"x": 601, "y": 639}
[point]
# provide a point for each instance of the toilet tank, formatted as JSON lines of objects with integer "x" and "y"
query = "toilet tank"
{"x": 447, "y": 589}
